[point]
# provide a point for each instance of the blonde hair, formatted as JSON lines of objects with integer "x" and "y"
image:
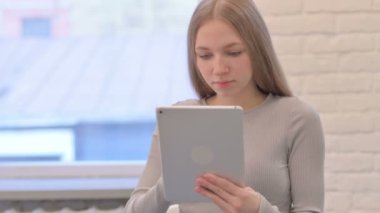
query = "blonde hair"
{"x": 247, "y": 21}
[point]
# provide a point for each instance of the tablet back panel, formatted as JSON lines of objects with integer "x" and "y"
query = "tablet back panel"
{"x": 198, "y": 139}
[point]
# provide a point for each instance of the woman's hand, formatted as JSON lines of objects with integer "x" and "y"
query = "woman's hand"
{"x": 229, "y": 196}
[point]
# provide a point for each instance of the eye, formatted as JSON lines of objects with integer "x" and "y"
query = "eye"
{"x": 205, "y": 56}
{"x": 234, "y": 53}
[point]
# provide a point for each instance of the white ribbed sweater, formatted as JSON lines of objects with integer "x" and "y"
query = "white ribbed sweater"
{"x": 284, "y": 161}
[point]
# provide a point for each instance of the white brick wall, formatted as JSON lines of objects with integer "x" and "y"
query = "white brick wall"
{"x": 377, "y": 163}
{"x": 340, "y": 43}
{"x": 359, "y": 23}
{"x": 367, "y": 202}
{"x": 330, "y": 51}
{"x": 310, "y": 63}
{"x": 336, "y": 82}
{"x": 376, "y": 4}
{"x": 339, "y": 202}
{"x": 368, "y": 61}
{"x": 301, "y": 24}
{"x": 337, "y": 5}
{"x": 281, "y": 7}
{"x": 377, "y": 83}
{"x": 289, "y": 44}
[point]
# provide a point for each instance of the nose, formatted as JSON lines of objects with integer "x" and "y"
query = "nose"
{"x": 220, "y": 66}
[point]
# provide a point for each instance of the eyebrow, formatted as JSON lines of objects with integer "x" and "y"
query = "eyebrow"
{"x": 227, "y": 46}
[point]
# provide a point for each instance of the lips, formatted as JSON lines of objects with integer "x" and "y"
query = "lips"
{"x": 223, "y": 84}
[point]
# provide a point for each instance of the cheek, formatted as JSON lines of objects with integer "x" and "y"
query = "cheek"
{"x": 245, "y": 68}
{"x": 203, "y": 68}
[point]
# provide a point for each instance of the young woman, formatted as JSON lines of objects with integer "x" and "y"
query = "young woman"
{"x": 232, "y": 62}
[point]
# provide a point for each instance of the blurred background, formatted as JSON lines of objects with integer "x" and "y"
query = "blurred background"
{"x": 80, "y": 80}
{"x": 330, "y": 51}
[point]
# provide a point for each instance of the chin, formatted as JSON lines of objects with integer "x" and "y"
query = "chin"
{"x": 226, "y": 94}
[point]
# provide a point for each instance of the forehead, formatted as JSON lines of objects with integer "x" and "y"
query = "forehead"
{"x": 216, "y": 32}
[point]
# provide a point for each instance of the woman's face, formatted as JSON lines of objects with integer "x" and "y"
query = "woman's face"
{"x": 223, "y": 60}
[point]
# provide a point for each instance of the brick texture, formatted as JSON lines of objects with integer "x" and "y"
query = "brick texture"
{"x": 338, "y": 83}
{"x": 272, "y": 7}
{"x": 359, "y": 23}
{"x": 310, "y": 63}
{"x": 292, "y": 45}
{"x": 353, "y": 142}
{"x": 361, "y": 211}
{"x": 354, "y": 183}
{"x": 303, "y": 24}
{"x": 365, "y": 201}
{"x": 358, "y": 102}
{"x": 350, "y": 162}
{"x": 377, "y": 83}
{"x": 377, "y": 120}
{"x": 295, "y": 83}
{"x": 337, "y": 5}
{"x": 376, "y": 5}
{"x": 347, "y": 123}
{"x": 330, "y": 52}
{"x": 323, "y": 103}
{"x": 338, "y": 202}
{"x": 377, "y": 163}
{"x": 340, "y": 43}
{"x": 359, "y": 62}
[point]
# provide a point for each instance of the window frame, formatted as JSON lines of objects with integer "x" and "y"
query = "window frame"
{"x": 92, "y": 180}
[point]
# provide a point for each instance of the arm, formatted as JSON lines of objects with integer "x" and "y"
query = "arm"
{"x": 306, "y": 172}
{"x": 306, "y": 162}
{"x": 148, "y": 195}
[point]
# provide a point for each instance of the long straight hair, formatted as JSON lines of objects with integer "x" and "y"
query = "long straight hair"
{"x": 244, "y": 17}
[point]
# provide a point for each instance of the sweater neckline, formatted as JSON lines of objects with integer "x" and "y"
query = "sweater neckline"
{"x": 266, "y": 100}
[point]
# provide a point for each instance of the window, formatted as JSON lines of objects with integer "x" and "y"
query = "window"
{"x": 89, "y": 94}
{"x": 40, "y": 145}
{"x": 36, "y": 27}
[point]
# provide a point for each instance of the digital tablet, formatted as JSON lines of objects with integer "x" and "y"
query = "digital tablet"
{"x": 198, "y": 139}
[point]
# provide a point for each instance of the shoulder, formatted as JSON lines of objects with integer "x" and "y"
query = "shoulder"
{"x": 297, "y": 114}
{"x": 303, "y": 121}
{"x": 295, "y": 107}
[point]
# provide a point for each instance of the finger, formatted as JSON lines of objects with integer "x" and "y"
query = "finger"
{"x": 225, "y": 184}
{"x": 221, "y": 203}
{"x": 204, "y": 183}
{"x": 228, "y": 179}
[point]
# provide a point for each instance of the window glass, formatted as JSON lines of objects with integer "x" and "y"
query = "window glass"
{"x": 36, "y": 27}
{"x": 80, "y": 80}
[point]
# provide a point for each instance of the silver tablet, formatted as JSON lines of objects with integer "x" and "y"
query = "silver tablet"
{"x": 195, "y": 140}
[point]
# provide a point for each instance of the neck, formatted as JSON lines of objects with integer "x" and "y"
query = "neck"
{"x": 248, "y": 101}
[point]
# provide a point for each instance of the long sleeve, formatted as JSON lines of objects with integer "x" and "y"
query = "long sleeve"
{"x": 148, "y": 195}
{"x": 306, "y": 162}
{"x": 266, "y": 207}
